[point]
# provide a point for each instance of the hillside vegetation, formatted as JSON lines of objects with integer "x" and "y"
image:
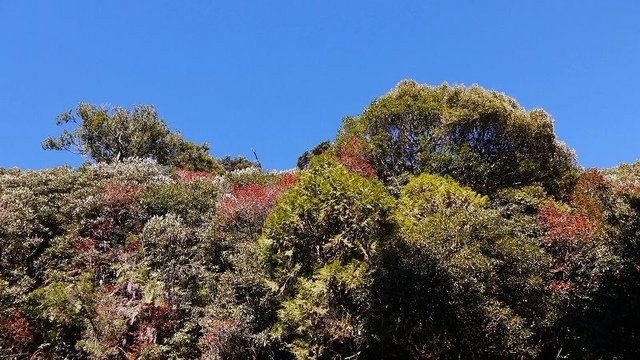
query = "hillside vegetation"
{"x": 441, "y": 223}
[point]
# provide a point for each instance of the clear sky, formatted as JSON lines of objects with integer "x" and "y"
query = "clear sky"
{"x": 278, "y": 76}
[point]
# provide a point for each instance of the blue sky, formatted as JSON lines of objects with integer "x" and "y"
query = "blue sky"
{"x": 278, "y": 76}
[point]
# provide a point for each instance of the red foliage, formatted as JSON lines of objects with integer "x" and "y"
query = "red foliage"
{"x": 104, "y": 229}
{"x": 351, "y": 154}
{"x": 18, "y": 328}
{"x": 133, "y": 245}
{"x": 590, "y": 194}
{"x": 256, "y": 194}
{"x": 563, "y": 226}
{"x": 86, "y": 250}
{"x": 629, "y": 189}
{"x": 149, "y": 321}
{"x": 288, "y": 180}
{"x": 561, "y": 287}
{"x": 216, "y": 338}
{"x": 111, "y": 289}
{"x": 569, "y": 240}
{"x": 188, "y": 176}
{"x": 249, "y": 205}
{"x": 84, "y": 245}
{"x": 120, "y": 202}
{"x": 120, "y": 195}
{"x": 216, "y": 330}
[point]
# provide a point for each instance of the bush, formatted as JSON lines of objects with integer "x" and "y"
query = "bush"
{"x": 455, "y": 283}
{"x": 320, "y": 242}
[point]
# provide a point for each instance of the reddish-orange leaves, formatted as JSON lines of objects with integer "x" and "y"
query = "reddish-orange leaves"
{"x": 189, "y": 175}
{"x": 247, "y": 206}
{"x": 564, "y": 226}
{"x": 146, "y": 326}
{"x": 590, "y": 194}
{"x": 120, "y": 195}
{"x": 217, "y": 338}
{"x": 561, "y": 286}
{"x": 288, "y": 180}
{"x": 18, "y": 328}
{"x": 351, "y": 154}
{"x": 569, "y": 239}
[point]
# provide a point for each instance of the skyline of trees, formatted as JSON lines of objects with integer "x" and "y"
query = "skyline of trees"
{"x": 441, "y": 223}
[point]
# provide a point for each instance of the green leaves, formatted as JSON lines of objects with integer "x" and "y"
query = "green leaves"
{"x": 429, "y": 194}
{"x": 331, "y": 214}
{"x": 116, "y": 134}
{"x": 194, "y": 201}
{"x": 453, "y": 258}
{"x": 444, "y": 222}
{"x": 325, "y": 317}
{"x": 320, "y": 241}
{"x": 481, "y": 138}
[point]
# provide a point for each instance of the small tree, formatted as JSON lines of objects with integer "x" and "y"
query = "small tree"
{"x": 305, "y": 158}
{"x": 237, "y": 163}
{"x": 114, "y": 134}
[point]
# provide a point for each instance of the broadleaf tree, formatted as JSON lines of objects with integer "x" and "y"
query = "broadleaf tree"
{"x": 113, "y": 134}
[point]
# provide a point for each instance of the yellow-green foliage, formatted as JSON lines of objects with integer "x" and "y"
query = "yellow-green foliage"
{"x": 320, "y": 241}
{"x": 453, "y": 254}
{"x": 325, "y": 317}
{"x": 115, "y": 134}
{"x": 194, "y": 201}
{"x": 331, "y": 214}
{"x": 429, "y": 194}
{"x": 481, "y": 138}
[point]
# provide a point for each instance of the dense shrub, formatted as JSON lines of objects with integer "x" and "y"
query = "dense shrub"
{"x": 454, "y": 282}
{"x": 321, "y": 241}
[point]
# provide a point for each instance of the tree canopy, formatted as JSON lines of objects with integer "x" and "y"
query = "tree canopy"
{"x": 481, "y": 138}
{"x": 114, "y": 134}
{"x": 442, "y": 223}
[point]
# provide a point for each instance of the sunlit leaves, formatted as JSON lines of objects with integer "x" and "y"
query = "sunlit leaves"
{"x": 481, "y": 138}
{"x": 115, "y": 134}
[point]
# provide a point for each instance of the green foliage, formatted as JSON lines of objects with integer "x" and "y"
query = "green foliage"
{"x": 455, "y": 283}
{"x": 237, "y": 163}
{"x": 305, "y": 158}
{"x": 331, "y": 214}
{"x": 481, "y": 138}
{"x": 444, "y": 222}
{"x": 316, "y": 327}
{"x": 33, "y": 209}
{"x": 112, "y": 135}
{"x": 194, "y": 201}
{"x": 625, "y": 178}
{"x": 188, "y": 155}
{"x": 168, "y": 246}
{"x": 429, "y": 194}
{"x": 250, "y": 176}
{"x": 320, "y": 241}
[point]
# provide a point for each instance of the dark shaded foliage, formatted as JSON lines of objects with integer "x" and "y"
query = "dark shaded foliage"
{"x": 305, "y": 158}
